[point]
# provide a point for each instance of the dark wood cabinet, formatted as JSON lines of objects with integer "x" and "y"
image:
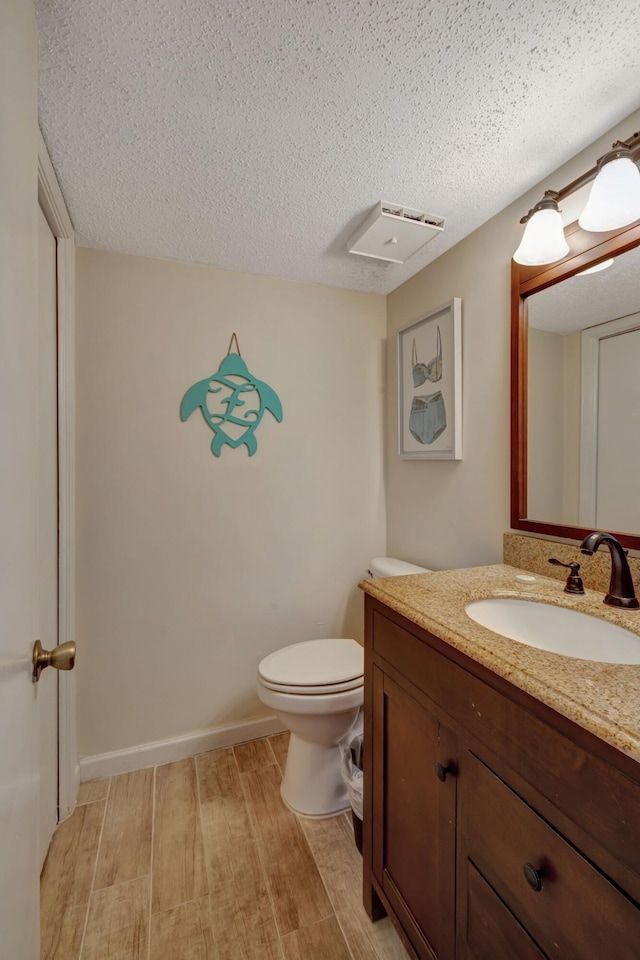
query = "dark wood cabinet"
{"x": 408, "y": 864}
{"x": 494, "y": 827}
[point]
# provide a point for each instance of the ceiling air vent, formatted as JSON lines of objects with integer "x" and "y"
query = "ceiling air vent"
{"x": 394, "y": 233}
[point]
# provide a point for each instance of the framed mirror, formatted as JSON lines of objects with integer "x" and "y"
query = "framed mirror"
{"x": 575, "y": 389}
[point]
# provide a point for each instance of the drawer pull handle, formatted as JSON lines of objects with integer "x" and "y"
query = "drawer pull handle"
{"x": 441, "y": 772}
{"x": 533, "y": 876}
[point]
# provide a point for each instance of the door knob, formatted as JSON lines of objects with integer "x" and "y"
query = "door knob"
{"x": 62, "y": 658}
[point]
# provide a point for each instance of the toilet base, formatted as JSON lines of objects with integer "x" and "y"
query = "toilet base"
{"x": 313, "y": 816}
{"x": 312, "y": 784}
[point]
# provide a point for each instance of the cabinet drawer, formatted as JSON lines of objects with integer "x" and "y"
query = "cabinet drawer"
{"x": 491, "y": 932}
{"x": 577, "y": 913}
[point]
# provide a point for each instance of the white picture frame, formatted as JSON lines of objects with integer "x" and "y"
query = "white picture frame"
{"x": 430, "y": 385}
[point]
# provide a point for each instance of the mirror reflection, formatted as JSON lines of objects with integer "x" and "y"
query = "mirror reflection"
{"x": 583, "y": 426}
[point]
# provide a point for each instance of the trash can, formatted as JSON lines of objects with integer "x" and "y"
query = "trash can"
{"x": 353, "y": 778}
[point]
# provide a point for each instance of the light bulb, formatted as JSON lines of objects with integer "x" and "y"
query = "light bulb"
{"x": 614, "y": 200}
{"x": 543, "y": 240}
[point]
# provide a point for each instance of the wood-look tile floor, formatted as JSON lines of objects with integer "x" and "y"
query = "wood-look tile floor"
{"x": 201, "y": 860}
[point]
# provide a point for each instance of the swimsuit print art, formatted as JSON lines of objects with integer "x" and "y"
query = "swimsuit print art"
{"x": 432, "y": 370}
{"x": 428, "y": 417}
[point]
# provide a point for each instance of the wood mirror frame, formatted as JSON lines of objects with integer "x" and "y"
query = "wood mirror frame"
{"x": 585, "y": 250}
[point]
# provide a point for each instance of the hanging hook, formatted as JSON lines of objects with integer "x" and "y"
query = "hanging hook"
{"x": 234, "y": 337}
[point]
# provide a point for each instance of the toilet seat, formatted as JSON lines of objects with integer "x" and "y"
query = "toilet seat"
{"x": 309, "y": 690}
{"x": 314, "y": 667}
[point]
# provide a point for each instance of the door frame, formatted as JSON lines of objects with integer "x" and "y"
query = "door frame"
{"x": 590, "y": 375}
{"x": 54, "y": 208}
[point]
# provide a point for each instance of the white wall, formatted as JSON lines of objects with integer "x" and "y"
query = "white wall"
{"x": 192, "y": 568}
{"x": 19, "y": 736}
{"x": 453, "y": 514}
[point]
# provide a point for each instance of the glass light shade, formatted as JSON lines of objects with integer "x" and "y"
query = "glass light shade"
{"x": 543, "y": 240}
{"x": 614, "y": 200}
{"x": 598, "y": 267}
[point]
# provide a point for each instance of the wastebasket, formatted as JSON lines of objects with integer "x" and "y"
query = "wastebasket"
{"x": 353, "y": 779}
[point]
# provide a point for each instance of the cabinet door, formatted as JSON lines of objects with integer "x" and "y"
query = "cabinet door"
{"x": 414, "y": 817}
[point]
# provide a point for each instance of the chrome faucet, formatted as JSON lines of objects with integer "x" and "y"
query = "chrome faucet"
{"x": 621, "y": 591}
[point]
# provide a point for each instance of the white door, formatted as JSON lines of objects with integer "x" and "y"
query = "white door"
{"x": 19, "y": 730}
{"x": 47, "y": 688}
{"x": 618, "y": 462}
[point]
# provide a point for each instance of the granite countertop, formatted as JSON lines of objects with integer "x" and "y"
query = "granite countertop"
{"x": 603, "y": 698}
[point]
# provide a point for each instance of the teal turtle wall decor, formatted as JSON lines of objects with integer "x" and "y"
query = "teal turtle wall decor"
{"x": 232, "y": 402}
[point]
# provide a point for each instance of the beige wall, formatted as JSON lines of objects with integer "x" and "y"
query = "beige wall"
{"x": 192, "y": 568}
{"x": 546, "y": 425}
{"x": 553, "y": 482}
{"x": 452, "y": 514}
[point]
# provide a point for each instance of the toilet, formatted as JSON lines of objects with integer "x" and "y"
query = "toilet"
{"x": 316, "y": 688}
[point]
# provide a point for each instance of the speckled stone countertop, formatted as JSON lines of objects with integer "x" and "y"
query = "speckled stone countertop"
{"x": 603, "y": 698}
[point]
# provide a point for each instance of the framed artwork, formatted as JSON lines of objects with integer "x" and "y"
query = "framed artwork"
{"x": 430, "y": 385}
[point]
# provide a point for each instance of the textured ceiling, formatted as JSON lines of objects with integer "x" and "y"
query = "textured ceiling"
{"x": 584, "y": 301}
{"x": 256, "y": 134}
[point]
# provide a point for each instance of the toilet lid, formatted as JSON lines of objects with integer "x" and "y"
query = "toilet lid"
{"x": 314, "y": 663}
{"x": 390, "y": 567}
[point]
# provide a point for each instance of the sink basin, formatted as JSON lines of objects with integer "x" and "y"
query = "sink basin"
{"x": 557, "y": 629}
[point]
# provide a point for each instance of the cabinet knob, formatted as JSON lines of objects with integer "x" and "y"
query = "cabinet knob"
{"x": 441, "y": 772}
{"x": 533, "y": 876}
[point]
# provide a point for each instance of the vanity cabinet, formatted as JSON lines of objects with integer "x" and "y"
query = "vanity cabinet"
{"x": 495, "y": 828}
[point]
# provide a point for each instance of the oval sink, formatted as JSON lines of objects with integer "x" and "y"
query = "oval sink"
{"x": 557, "y": 629}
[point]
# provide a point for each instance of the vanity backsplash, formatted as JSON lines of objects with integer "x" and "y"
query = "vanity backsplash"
{"x": 532, "y": 553}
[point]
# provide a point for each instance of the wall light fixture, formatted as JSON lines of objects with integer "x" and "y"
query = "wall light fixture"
{"x": 614, "y": 202}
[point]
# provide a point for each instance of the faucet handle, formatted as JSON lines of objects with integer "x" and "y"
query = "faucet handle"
{"x": 574, "y": 580}
{"x": 570, "y": 566}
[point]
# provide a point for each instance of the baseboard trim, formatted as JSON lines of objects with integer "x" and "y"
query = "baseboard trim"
{"x": 176, "y": 748}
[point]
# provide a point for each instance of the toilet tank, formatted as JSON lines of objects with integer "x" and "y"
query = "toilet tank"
{"x": 390, "y": 567}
